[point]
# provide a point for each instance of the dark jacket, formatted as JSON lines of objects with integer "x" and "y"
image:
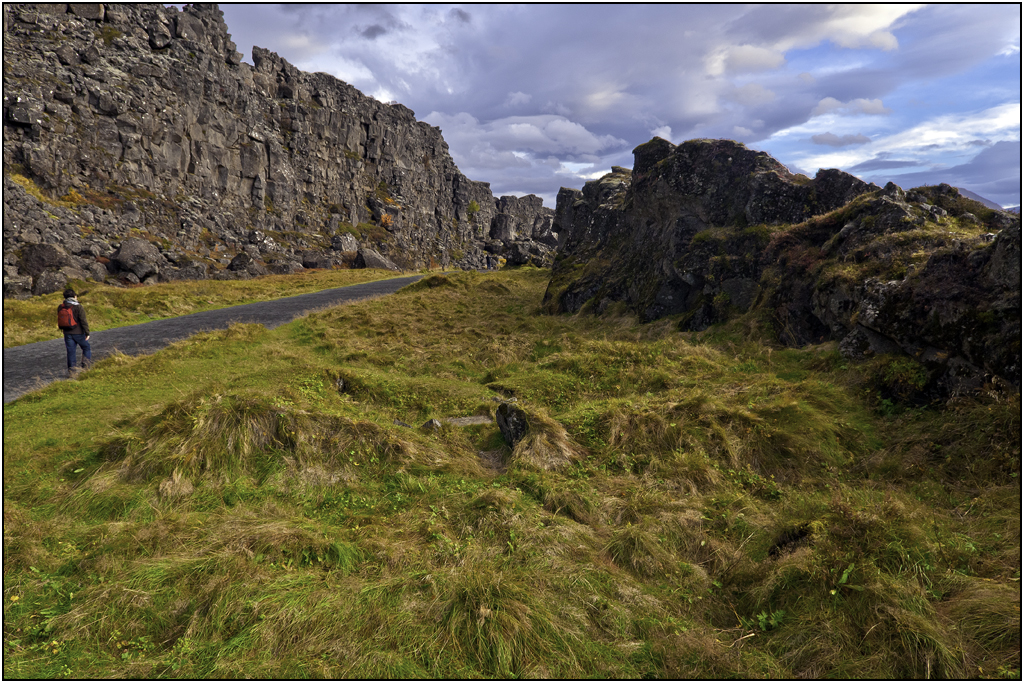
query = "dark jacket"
{"x": 83, "y": 325}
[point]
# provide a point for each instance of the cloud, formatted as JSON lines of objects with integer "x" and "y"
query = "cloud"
{"x": 743, "y": 59}
{"x": 879, "y": 163}
{"x": 517, "y": 98}
{"x": 833, "y": 140}
{"x": 853, "y": 107}
{"x": 957, "y": 131}
{"x": 994, "y": 173}
{"x": 752, "y": 95}
{"x": 543, "y": 134}
{"x": 547, "y": 149}
{"x": 788, "y": 76}
{"x": 847, "y": 26}
{"x": 664, "y": 132}
{"x": 373, "y": 32}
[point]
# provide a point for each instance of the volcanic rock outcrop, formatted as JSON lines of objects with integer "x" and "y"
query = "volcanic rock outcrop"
{"x": 131, "y": 123}
{"x": 709, "y": 229}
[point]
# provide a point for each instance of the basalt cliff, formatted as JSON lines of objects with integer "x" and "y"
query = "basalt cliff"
{"x": 709, "y": 230}
{"x": 138, "y": 147}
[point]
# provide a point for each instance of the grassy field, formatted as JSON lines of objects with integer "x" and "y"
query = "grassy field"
{"x": 32, "y": 320}
{"x": 709, "y": 505}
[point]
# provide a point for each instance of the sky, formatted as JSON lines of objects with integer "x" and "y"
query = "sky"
{"x": 531, "y": 98}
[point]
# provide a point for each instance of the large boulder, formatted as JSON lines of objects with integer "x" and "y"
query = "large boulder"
{"x": 368, "y": 258}
{"x": 48, "y": 282}
{"x": 190, "y": 269}
{"x": 285, "y": 266}
{"x": 36, "y": 258}
{"x": 17, "y": 287}
{"x": 313, "y": 259}
{"x": 344, "y": 242}
{"x": 138, "y": 256}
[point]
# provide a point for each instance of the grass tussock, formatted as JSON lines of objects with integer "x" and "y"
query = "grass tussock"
{"x": 224, "y": 436}
{"x": 683, "y": 505}
{"x": 546, "y": 445}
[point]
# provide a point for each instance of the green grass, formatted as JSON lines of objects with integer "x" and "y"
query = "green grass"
{"x": 242, "y": 504}
{"x": 32, "y": 320}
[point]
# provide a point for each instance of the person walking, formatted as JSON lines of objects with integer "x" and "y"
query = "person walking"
{"x": 71, "y": 321}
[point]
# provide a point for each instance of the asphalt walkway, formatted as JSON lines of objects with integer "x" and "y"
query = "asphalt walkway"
{"x": 33, "y": 366}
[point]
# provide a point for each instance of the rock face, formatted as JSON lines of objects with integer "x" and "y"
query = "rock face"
{"x": 709, "y": 229}
{"x": 142, "y": 121}
{"x": 630, "y": 236}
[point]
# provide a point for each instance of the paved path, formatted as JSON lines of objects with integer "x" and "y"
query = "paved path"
{"x": 32, "y": 366}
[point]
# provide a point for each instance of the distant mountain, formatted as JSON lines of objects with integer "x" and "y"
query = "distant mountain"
{"x": 1013, "y": 209}
{"x": 978, "y": 198}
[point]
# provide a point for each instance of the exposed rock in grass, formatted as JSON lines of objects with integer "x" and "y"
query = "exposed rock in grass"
{"x": 545, "y": 444}
{"x": 512, "y": 422}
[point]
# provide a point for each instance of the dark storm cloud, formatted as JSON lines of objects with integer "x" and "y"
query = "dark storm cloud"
{"x": 374, "y": 31}
{"x": 460, "y": 14}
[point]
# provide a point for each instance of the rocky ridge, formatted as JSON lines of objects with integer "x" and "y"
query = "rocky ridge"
{"x": 138, "y": 147}
{"x": 709, "y": 229}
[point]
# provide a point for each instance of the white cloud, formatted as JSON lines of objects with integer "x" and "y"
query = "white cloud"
{"x": 853, "y": 107}
{"x": 1011, "y": 49}
{"x": 743, "y": 59}
{"x": 383, "y": 95}
{"x": 664, "y": 132}
{"x": 849, "y": 26}
{"x": 347, "y": 70}
{"x": 517, "y": 98}
{"x": 604, "y": 98}
{"x": 951, "y": 137}
{"x": 538, "y": 135}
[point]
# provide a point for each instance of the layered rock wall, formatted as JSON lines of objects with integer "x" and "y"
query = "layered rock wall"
{"x": 140, "y": 121}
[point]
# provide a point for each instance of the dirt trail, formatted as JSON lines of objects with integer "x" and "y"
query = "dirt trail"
{"x": 33, "y": 366}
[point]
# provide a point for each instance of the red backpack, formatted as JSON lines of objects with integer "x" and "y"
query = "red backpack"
{"x": 65, "y": 317}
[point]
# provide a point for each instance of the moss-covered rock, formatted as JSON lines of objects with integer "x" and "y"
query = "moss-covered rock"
{"x": 709, "y": 229}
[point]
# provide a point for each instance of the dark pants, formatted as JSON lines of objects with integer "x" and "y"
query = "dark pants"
{"x": 70, "y": 341}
